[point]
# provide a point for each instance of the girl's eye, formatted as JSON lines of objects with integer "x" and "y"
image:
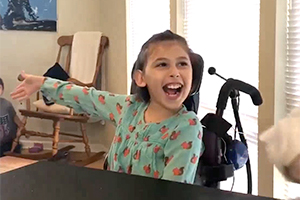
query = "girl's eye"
{"x": 182, "y": 64}
{"x": 163, "y": 64}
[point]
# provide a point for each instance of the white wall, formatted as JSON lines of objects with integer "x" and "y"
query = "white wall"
{"x": 35, "y": 52}
{"x": 113, "y": 23}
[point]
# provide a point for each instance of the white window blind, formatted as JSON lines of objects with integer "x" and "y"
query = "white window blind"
{"x": 292, "y": 75}
{"x": 226, "y": 35}
{"x": 145, "y": 19}
{"x": 293, "y": 55}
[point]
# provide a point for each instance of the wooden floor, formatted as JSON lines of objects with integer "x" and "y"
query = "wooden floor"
{"x": 78, "y": 156}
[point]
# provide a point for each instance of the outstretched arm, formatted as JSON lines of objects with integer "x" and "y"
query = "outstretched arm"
{"x": 82, "y": 99}
{"x": 86, "y": 100}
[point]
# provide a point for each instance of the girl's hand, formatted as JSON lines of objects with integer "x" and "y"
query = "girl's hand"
{"x": 29, "y": 85}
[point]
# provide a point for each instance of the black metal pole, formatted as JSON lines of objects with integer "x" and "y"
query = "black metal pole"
{"x": 234, "y": 95}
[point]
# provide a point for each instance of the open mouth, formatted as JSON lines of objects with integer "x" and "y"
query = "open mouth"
{"x": 173, "y": 89}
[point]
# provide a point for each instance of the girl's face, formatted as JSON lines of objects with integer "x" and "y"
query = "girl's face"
{"x": 167, "y": 74}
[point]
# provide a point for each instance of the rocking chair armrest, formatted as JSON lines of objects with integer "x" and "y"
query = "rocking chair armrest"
{"x": 77, "y": 82}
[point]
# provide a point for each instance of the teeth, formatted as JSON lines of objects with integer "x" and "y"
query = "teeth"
{"x": 174, "y": 86}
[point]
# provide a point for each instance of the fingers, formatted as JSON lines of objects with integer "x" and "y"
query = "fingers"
{"x": 18, "y": 89}
{"x": 18, "y": 94}
{"x": 19, "y": 86}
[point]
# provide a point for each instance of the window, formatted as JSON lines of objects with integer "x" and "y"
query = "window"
{"x": 293, "y": 56}
{"x": 226, "y": 35}
{"x": 145, "y": 19}
{"x": 292, "y": 75}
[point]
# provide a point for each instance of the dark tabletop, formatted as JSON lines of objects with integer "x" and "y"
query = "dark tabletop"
{"x": 58, "y": 181}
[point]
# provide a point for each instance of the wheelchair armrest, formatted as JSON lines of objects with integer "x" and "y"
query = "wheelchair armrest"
{"x": 216, "y": 173}
{"x": 212, "y": 167}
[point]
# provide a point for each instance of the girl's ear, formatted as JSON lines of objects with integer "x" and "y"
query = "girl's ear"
{"x": 139, "y": 78}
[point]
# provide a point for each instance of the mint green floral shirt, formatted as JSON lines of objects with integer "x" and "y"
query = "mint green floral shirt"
{"x": 168, "y": 150}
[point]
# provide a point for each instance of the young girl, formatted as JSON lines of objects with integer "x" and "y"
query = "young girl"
{"x": 155, "y": 134}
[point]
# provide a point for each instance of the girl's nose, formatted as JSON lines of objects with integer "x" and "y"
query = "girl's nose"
{"x": 174, "y": 72}
{"x": 174, "y": 76}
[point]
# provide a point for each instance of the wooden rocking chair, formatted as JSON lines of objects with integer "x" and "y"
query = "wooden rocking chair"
{"x": 57, "y": 118}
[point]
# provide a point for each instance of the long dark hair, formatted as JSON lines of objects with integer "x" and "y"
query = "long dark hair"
{"x": 196, "y": 61}
{"x": 1, "y": 83}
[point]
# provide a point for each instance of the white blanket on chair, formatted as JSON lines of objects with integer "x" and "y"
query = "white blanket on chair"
{"x": 283, "y": 140}
{"x": 84, "y": 57}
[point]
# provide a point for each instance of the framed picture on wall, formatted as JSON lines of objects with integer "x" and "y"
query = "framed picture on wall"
{"x": 30, "y": 15}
